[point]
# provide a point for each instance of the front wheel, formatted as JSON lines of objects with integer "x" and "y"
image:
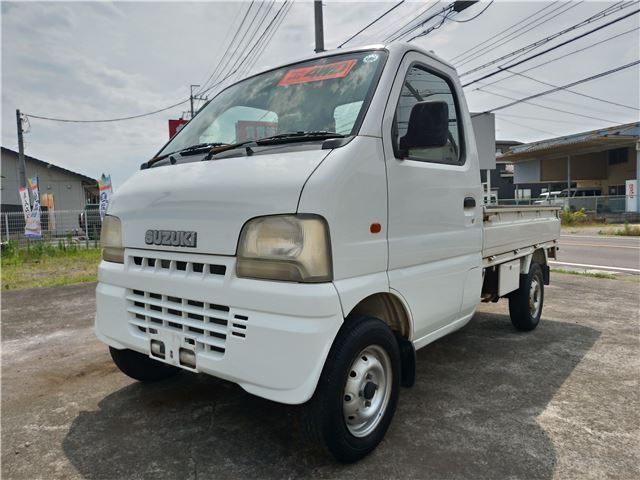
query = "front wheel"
{"x": 525, "y": 304}
{"x": 357, "y": 393}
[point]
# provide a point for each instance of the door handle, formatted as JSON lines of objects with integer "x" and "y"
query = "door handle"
{"x": 469, "y": 202}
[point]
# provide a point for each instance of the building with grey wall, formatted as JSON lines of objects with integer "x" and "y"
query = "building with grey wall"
{"x": 70, "y": 190}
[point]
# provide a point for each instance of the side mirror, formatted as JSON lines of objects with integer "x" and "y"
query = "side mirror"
{"x": 428, "y": 126}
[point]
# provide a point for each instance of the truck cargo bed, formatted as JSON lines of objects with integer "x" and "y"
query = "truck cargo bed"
{"x": 511, "y": 228}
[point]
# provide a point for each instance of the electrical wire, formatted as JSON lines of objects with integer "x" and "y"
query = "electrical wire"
{"x": 261, "y": 48}
{"x": 534, "y": 24}
{"x": 216, "y": 74}
{"x": 527, "y": 126}
{"x": 481, "y": 44}
{"x": 405, "y": 21}
{"x": 118, "y": 119}
{"x": 568, "y": 85}
{"x": 536, "y": 55}
{"x": 550, "y": 38}
{"x": 550, "y": 108}
{"x": 472, "y": 18}
{"x": 372, "y": 23}
{"x": 560, "y": 57}
{"x": 574, "y": 92}
{"x": 401, "y": 34}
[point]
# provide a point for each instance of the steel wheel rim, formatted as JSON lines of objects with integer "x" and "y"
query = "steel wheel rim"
{"x": 535, "y": 297}
{"x": 367, "y": 390}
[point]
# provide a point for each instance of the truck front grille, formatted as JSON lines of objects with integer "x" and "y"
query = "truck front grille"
{"x": 205, "y": 323}
{"x": 152, "y": 263}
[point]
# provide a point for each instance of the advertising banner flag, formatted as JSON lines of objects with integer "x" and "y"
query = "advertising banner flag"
{"x": 32, "y": 228}
{"x": 26, "y": 204}
{"x": 104, "y": 186}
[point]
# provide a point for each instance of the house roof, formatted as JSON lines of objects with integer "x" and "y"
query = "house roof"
{"x": 83, "y": 178}
{"x": 592, "y": 141}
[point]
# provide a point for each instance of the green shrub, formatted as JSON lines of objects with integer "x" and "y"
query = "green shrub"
{"x": 578, "y": 217}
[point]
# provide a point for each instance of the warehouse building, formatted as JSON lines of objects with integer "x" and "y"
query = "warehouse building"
{"x": 60, "y": 188}
{"x": 594, "y": 163}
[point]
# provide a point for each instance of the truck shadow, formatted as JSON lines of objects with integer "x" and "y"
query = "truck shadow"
{"x": 471, "y": 414}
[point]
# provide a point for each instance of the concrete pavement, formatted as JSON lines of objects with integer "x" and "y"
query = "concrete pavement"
{"x": 560, "y": 402}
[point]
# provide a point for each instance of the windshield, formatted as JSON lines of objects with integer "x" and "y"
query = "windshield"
{"x": 329, "y": 94}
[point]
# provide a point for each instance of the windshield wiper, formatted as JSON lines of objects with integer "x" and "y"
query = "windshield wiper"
{"x": 191, "y": 150}
{"x": 275, "y": 140}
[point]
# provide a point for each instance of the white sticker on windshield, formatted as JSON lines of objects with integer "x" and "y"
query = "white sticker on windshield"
{"x": 372, "y": 57}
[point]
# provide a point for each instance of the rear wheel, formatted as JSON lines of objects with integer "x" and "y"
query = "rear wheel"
{"x": 357, "y": 394}
{"x": 141, "y": 367}
{"x": 525, "y": 304}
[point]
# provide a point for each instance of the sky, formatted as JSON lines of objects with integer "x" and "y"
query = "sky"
{"x": 97, "y": 60}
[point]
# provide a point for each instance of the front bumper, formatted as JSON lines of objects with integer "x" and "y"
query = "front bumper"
{"x": 271, "y": 338}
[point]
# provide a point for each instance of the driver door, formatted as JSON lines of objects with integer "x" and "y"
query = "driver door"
{"x": 435, "y": 202}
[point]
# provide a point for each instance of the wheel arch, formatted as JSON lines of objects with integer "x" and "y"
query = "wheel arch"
{"x": 388, "y": 307}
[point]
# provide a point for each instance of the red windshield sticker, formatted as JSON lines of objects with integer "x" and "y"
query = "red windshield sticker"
{"x": 317, "y": 73}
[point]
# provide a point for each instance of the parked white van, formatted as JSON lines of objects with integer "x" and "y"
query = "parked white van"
{"x": 307, "y": 231}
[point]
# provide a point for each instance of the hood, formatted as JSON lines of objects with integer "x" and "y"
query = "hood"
{"x": 212, "y": 198}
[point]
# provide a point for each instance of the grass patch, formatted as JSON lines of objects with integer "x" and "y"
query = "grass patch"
{"x": 586, "y": 274}
{"x": 626, "y": 231}
{"x": 46, "y": 265}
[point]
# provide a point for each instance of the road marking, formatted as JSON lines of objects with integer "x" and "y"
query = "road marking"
{"x": 602, "y": 237}
{"x": 600, "y": 267}
{"x": 600, "y": 245}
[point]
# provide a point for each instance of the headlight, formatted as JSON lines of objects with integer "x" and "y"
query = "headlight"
{"x": 292, "y": 248}
{"x": 111, "y": 239}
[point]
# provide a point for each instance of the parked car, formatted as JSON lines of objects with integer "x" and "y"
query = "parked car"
{"x": 308, "y": 266}
{"x": 89, "y": 221}
{"x": 548, "y": 198}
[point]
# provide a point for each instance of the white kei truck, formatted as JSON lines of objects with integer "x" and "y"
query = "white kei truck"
{"x": 310, "y": 229}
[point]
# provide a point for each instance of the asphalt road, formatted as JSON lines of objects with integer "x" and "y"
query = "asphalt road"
{"x": 560, "y": 402}
{"x": 617, "y": 254}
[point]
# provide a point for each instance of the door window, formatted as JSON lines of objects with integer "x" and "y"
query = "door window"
{"x": 422, "y": 85}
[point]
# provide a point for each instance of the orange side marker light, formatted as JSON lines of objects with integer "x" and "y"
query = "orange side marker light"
{"x": 375, "y": 228}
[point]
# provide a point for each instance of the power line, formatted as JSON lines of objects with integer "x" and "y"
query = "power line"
{"x": 568, "y": 85}
{"x": 372, "y": 23}
{"x": 527, "y": 126}
{"x": 462, "y": 54}
{"x": 131, "y": 117}
{"x": 550, "y": 108}
{"x": 398, "y": 34}
{"x": 412, "y": 15}
{"x": 474, "y": 17}
{"x": 450, "y": 10}
{"x": 501, "y": 69}
{"x": 229, "y": 74}
{"x": 216, "y": 74}
{"x": 513, "y": 74}
{"x": 254, "y": 33}
{"x": 239, "y": 46}
{"x": 548, "y": 39}
{"x": 551, "y": 15}
{"x": 260, "y": 49}
{"x": 574, "y": 92}
{"x": 224, "y": 41}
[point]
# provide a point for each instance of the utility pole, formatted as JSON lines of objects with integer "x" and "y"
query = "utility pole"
{"x": 191, "y": 98}
{"x": 22, "y": 168}
{"x": 317, "y": 9}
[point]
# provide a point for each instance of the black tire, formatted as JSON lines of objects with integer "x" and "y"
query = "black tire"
{"x": 323, "y": 418}
{"x": 525, "y": 304}
{"x": 140, "y": 367}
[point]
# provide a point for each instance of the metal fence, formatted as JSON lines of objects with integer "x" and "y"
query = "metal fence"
{"x": 69, "y": 226}
{"x": 601, "y": 205}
